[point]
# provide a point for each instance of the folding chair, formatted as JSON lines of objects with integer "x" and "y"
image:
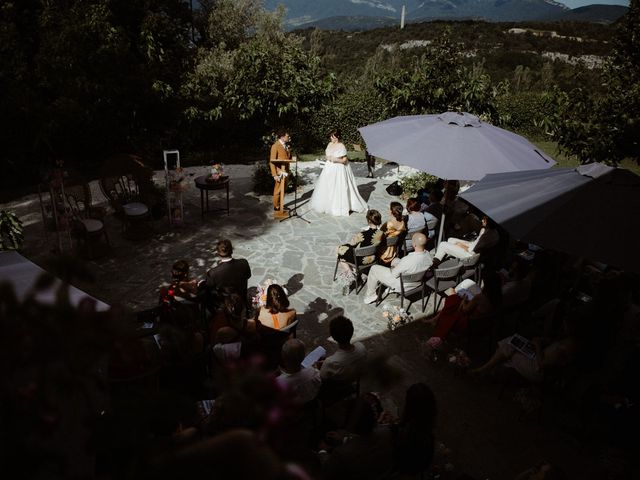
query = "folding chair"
{"x": 446, "y": 276}
{"x": 406, "y": 292}
{"x": 359, "y": 254}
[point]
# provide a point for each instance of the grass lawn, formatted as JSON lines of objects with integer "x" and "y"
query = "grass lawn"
{"x": 551, "y": 149}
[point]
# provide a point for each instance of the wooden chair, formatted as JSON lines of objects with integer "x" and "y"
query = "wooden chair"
{"x": 446, "y": 276}
{"x": 123, "y": 193}
{"x": 87, "y": 223}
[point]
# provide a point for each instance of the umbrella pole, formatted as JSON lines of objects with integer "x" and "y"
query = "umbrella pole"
{"x": 441, "y": 229}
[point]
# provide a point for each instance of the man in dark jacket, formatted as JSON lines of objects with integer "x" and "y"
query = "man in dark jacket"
{"x": 229, "y": 276}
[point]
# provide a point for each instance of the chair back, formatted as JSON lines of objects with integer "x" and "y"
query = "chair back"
{"x": 392, "y": 241}
{"x": 291, "y": 328}
{"x": 362, "y": 252}
{"x": 78, "y": 200}
{"x": 120, "y": 189}
{"x": 412, "y": 277}
{"x": 447, "y": 277}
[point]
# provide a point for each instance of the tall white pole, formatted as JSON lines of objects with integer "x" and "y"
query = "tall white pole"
{"x": 402, "y": 17}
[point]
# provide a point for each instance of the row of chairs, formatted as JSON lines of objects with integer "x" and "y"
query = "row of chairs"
{"x": 435, "y": 282}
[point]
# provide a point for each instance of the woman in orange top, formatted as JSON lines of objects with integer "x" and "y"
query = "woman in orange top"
{"x": 276, "y": 313}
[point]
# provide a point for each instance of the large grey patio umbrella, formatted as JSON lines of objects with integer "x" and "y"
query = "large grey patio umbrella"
{"x": 591, "y": 211}
{"x": 452, "y": 145}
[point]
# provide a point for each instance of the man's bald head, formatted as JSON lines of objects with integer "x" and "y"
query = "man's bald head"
{"x": 419, "y": 240}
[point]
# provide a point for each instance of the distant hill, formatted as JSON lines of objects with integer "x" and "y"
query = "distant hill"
{"x": 351, "y": 24}
{"x": 591, "y": 13}
{"x": 492, "y": 10}
{"x": 302, "y": 13}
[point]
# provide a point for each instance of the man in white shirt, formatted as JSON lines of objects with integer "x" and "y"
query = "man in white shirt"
{"x": 303, "y": 383}
{"x": 417, "y": 261}
{"x": 348, "y": 363}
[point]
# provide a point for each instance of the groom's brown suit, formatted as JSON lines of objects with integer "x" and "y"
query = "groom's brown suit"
{"x": 278, "y": 152}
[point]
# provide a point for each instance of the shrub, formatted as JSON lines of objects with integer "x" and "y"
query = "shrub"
{"x": 263, "y": 181}
{"x": 11, "y": 231}
{"x": 414, "y": 182}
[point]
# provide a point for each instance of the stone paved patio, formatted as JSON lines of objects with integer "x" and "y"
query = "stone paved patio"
{"x": 479, "y": 426}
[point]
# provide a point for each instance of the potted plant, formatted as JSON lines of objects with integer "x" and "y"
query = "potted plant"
{"x": 11, "y": 231}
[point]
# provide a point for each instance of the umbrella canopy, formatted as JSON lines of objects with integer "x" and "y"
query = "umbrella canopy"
{"x": 452, "y": 145}
{"x": 591, "y": 211}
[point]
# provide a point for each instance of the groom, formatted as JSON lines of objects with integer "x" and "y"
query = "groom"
{"x": 279, "y": 151}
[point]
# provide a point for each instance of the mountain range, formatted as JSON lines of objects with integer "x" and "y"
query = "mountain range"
{"x": 367, "y": 14}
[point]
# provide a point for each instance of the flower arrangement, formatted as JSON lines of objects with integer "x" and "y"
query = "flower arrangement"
{"x": 344, "y": 281}
{"x": 395, "y": 316}
{"x": 432, "y": 348}
{"x": 459, "y": 358}
{"x": 217, "y": 170}
{"x": 260, "y": 298}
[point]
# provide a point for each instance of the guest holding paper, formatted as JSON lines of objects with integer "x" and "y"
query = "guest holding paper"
{"x": 465, "y": 303}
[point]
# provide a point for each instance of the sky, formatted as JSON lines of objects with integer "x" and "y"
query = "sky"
{"x": 582, "y": 3}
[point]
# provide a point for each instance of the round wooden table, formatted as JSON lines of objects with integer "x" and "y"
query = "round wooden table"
{"x": 206, "y": 186}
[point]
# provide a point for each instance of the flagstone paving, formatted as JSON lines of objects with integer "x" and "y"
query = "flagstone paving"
{"x": 479, "y": 426}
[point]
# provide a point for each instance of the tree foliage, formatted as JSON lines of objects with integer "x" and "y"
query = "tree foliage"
{"x": 252, "y": 69}
{"x": 435, "y": 82}
{"x": 84, "y": 78}
{"x": 606, "y": 126}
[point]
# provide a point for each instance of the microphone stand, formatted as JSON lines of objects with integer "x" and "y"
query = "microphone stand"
{"x": 294, "y": 211}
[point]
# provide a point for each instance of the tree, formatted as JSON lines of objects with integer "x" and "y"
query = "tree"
{"x": 86, "y": 78}
{"x": 436, "y": 82}
{"x": 248, "y": 69}
{"x": 605, "y": 126}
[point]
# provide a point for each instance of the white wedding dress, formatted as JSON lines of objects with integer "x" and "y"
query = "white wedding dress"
{"x": 336, "y": 191}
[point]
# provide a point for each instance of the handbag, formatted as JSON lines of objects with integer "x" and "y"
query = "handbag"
{"x": 395, "y": 189}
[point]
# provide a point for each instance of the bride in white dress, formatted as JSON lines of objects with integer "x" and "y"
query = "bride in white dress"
{"x": 336, "y": 191}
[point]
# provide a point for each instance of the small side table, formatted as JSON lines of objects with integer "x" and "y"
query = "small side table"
{"x": 204, "y": 186}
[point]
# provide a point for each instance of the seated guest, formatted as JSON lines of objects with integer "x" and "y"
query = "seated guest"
{"x": 413, "y": 434}
{"x": 415, "y": 221}
{"x": 417, "y": 261}
{"x": 181, "y": 288}
{"x": 366, "y": 452}
{"x": 234, "y": 335}
{"x": 232, "y": 314}
{"x": 348, "y": 363}
{"x": 393, "y": 227}
{"x": 371, "y": 236}
{"x": 229, "y": 276}
{"x": 276, "y": 313}
{"x": 554, "y": 355}
{"x": 434, "y": 207}
{"x": 455, "y": 247}
{"x": 303, "y": 383}
{"x": 516, "y": 287}
{"x": 462, "y": 305}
